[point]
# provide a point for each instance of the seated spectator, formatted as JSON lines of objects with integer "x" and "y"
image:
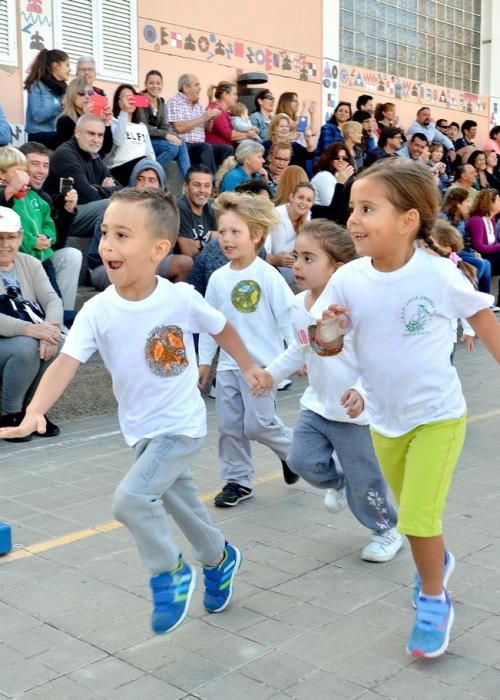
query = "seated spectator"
{"x": 176, "y": 268}
{"x": 455, "y": 210}
{"x": 465, "y": 177}
{"x": 247, "y": 163}
{"x": 167, "y": 145}
{"x": 39, "y": 231}
{"x": 469, "y": 131}
{"x": 241, "y": 121}
{"x": 423, "y": 124}
{"x": 493, "y": 143}
{"x": 438, "y": 167}
{"x": 365, "y": 103}
{"x": 46, "y": 86}
{"x": 131, "y": 142}
{"x": 414, "y": 148}
{"x": 278, "y": 159}
{"x": 353, "y": 136}
{"x": 281, "y": 129}
{"x": 219, "y": 131}
{"x": 86, "y": 69}
{"x": 26, "y": 347}
{"x": 481, "y": 227}
{"x": 492, "y": 168}
{"x": 280, "y": 242}
{"x": 261, "y": 118}
{"x": 188, "y": 119}
{"x": 331, "y": 131}
{"x": 198, "y": 224}
{"x": 368, "y": 124}
{"x": 478, "y": 161}
{"x": 453, "y": 131}
{"x": 389, "y": 143}
{"x": 5, "y": 132}
{"x": 78, "y": 101}
{"x": 333, "y": 160}
{"x": 288, "y": 103}
{"x": 293, "y": 176}
{"x": 385, "y": 115}
{"x": 79, "y": 160}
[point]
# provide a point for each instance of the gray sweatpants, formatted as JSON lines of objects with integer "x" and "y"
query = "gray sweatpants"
{"x": 160, "y": 484}
{"x": 315, "y": 438}
{"x": 242, "y": 417}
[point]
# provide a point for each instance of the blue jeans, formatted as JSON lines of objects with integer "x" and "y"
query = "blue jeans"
{"x": 166, "y": 151}
{"x": 483, "y": 269}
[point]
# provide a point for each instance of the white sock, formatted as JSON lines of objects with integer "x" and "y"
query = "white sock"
{"x": 441, "y": 597}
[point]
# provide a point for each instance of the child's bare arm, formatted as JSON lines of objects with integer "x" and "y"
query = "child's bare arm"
{"x": 488, "y": 329}
{"x": 229, "y": 340}
{"x": 53, "y": 383}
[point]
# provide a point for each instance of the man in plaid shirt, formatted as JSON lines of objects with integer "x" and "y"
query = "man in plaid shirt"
{"x": 188, "y": 118}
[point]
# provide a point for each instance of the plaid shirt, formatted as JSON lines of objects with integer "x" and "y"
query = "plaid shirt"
{"x": 179, "y": 109}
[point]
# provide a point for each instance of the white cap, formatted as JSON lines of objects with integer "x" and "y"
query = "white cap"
{"x": 10, "y": 221}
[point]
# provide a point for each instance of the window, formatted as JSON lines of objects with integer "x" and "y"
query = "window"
{"x": 105, "y": 29}
{"x": 8, "y": 33}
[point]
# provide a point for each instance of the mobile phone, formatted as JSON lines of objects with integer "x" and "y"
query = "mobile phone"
{"x": 139, "y": 101}
{"x": 65, "y": 184}
{"x": 99, "y": 102}
{"x": 302, "y": 124}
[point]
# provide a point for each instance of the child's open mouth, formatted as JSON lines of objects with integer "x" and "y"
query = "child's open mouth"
{"x": 114, "y": 264}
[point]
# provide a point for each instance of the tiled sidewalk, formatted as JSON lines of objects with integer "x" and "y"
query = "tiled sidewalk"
{"x": 310, "y": 620}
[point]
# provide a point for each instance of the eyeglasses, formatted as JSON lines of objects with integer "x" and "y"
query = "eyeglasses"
{"x": 281, "y": 160}
{"x": 83, "y": 93}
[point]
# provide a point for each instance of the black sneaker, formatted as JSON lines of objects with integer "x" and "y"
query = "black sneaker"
{"x": 232, "y": 494}
{"x": 13, "y": 420}
{"x": 289, "y": 476}
{"x": 51, "y": 429}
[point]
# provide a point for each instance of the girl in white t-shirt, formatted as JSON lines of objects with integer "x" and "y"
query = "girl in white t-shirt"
{"x": 401, "y": 302}
{"x": 255, "y": 298}
{"x": 332, "y": 415}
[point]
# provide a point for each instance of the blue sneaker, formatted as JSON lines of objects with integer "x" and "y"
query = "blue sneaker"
{"x": 219, "y": 580}
{"x": 449, "y": 565}
{"x": 430, "y": 635}
{"x": 172, "y": 591}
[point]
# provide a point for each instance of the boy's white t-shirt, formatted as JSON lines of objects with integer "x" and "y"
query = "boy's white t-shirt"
{"x": 147, "y": 347}
{"x": 402, "y": 334}
{"x": 252, "y": 300}
{"x": 328, "y": 376}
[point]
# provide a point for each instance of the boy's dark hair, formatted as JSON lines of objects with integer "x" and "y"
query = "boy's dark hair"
{"x": 468, "y": 124}
{"x": 454, "y": 124}
{"x": 418, "y": 135}
{"x": 34, "y": 147}
{"x": 494, "y": 131}
{"x": 194, "y": 169}
{"x": 160, "y": 206}
{"x": 388, "y": 132}
{"x": 255, "y": 187}
{"x": 361, "y": 115}
{"x": 362, "y": 100}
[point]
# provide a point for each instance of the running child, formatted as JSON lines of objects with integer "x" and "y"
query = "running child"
{"x": 400, "y": 302}
{"x": 255, "y": 298}
{"x": 142, "y": 326}
{"x": 332, "y": 407}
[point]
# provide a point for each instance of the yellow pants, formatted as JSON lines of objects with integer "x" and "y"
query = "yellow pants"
{"x": 418, "y": 466}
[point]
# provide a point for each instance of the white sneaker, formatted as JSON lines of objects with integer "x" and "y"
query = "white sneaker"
{"x": 383, "y": 546}
{"x": 284, "y": 384}
{"x": 335, "y": 501}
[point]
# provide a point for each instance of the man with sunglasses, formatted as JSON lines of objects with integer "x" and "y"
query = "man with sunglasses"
{"x": 389, "y": 143}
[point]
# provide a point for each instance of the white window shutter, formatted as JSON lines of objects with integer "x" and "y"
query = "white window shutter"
{"x": 118, "y": 42}
{"x": 8, "y": 33}
{"x": 76, "y": 28}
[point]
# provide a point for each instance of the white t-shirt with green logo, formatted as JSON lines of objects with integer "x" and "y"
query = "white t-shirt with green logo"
{"x": 402, "y": 330}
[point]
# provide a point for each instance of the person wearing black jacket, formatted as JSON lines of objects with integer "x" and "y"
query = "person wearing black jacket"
{"x": 390, "y": 141}
{"x": 79, "y": 159}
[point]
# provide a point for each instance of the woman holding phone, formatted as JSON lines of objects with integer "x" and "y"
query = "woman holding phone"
{"x": 79, "y": 99}
{"x": 166, "y": 144}
{"x": 131, "y": 141}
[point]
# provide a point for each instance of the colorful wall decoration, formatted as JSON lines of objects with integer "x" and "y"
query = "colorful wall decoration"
{"x": 329, "y": 86}
{"x": 36, "y": 29}
{"x": 208, "y": 46}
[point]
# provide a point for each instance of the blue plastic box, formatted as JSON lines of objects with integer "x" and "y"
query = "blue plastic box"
{"x": 5, "y": 538}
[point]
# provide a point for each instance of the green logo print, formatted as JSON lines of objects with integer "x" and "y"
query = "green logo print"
{"x": 416, "y": 314}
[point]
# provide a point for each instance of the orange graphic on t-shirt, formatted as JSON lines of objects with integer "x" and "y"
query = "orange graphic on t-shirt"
{"x": 165, "y": 351}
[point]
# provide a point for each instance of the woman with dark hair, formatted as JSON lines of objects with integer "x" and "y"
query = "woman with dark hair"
{"x": 46, "y": 86}
{"x": 335, "y": 159}
{"x": 264, "y": 105}
{"x": 481, "y": 227}
{"x": 130, "y": 136}
{"x": 331, "y": 131}
{"x": 492, "y": 168}
{"x": 166, "y": 144}
{"x": 385, "y": 115}
{"x": 478, "y": 160}
{"x": 493, "y": 142}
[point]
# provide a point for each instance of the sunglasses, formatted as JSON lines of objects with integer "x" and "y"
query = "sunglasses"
{"x": 83, "y": 93}
{"x": 344, "y": 158}
{"x": 268, "y": 97}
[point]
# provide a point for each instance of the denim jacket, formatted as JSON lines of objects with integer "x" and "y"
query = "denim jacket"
{"x": 43, "y": 109}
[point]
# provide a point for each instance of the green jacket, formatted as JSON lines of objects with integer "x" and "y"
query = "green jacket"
{"x": 36, "y": 220}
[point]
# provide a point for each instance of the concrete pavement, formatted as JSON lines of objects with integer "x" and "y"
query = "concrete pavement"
{"x": 309, "y": 618}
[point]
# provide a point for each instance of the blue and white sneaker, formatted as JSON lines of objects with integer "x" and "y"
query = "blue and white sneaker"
{"x": 219, "y": 580}
{"x": 172, "y": 592}
{"x": 449, "y": 565}
{"x": 430, "y": 635}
